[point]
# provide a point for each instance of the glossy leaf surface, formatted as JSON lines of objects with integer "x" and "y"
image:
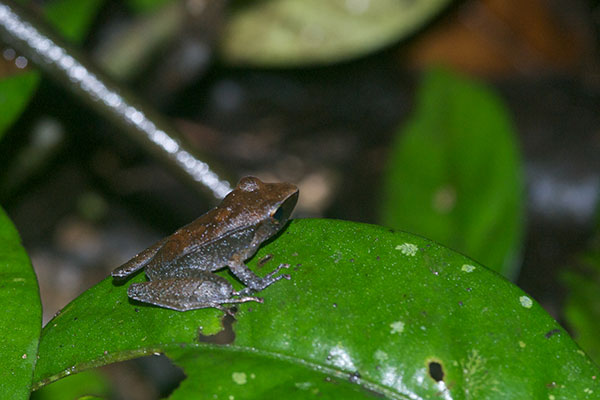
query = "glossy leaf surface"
{"x": 307, "y": 32}
{"x": 223, "y": 374}
{"x": 21, "y": 316}
{"x": 83, "y": 385}
{"x": 454, "y": 173}
{"x": 381, "y": 312}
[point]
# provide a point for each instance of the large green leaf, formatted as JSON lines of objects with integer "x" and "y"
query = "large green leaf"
{"x": 306, "y": 32}
{"x": 21, "y": 316}
{"x": 15, "y": 92}
{"x": 385, "y": 311}
{"x": 454, "y": 173}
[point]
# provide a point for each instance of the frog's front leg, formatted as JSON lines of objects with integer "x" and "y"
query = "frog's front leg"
{"x": 139, "y": 261}
{"x": 202, "y": 291}
{"x": 254, "y": 282}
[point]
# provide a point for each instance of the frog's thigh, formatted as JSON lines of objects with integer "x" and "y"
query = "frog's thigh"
{"x": 186, "y": 294}
{"x": 182, "y": 269}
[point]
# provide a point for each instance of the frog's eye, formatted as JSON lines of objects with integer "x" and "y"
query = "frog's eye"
{"x": 282, "y": 213}
{"x": 278, "y": 214}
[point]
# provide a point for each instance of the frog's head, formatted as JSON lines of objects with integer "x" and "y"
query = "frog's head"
{"x": 267, "y": 205}
{"x": 272, "y": 201}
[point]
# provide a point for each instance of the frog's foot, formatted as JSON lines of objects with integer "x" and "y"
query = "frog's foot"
{"x": 256, "y": 284}
{"x": 241, "y": 299}
{"x": 271, "y": 278}
{"x": 188, "y": 294}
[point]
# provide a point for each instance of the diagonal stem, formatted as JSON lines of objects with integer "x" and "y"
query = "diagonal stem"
{"x": 63, "y": 64}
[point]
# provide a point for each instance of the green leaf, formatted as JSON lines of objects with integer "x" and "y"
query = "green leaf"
{"x": 364, "y": 304}
{"x": 582, "y": 305}
{"x": 454, "y": 173}
{"x": 77, "y": 386}
{"x": 15, "y": 92}
{"x": 73, "y": 18}
{"x": 307, "y": 32}
{"x": 241, "y": 375}
{"x": 21, "y": 316}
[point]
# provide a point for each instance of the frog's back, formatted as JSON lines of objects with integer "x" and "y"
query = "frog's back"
{"x": 204, "y": 230}
{"x": 206, "y": 244}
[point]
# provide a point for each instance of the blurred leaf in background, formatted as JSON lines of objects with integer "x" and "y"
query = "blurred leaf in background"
{"x": 582, "y": 306}
{"x": 15, "y": 93}
{"x": 308, "y": 32}
{"x": 145, "y": 5}
{"x": 72, "y": 18}
{"x": 454, "y": 173}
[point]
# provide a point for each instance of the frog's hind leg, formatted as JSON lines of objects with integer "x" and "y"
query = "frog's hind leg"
{"x": 188, "y": 294}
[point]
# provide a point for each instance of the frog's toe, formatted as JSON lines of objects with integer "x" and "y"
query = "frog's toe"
{"x": 243, "y": 297}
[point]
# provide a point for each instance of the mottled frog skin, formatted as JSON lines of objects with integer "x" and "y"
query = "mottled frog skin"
{"x": 180, "y": 267}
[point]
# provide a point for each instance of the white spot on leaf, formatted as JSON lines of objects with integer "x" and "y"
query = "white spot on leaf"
{"x": 408, "y": 249}
{"x": 397, "y": 327}
{"x": 339, "y": 357}
{"x": 303, "y": 385}
{"x": 476, "y": 375}
{"x": 525, "y": 301}
{"x": 239, "y": 378}
{"x": 468, "y": 268}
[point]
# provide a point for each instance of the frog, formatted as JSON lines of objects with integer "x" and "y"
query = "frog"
{"x": 181, "y": 267}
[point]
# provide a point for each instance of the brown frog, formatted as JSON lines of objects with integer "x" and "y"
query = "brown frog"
{"x": 179, "y": 267}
